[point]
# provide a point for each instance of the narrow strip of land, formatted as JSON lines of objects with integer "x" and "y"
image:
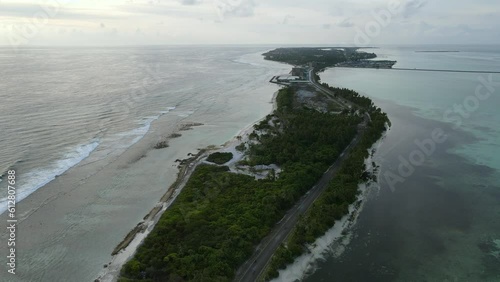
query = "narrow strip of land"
{"x": 252, "y": 269}
{"x": 437, "y": 70}
{"x": 463, "y": 71}
{"x": 343, "y": 102}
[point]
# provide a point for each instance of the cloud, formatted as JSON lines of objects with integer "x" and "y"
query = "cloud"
{"x": 467, "y": 30}
{"x": 412, "y": 7}
{"x": 172, "y": 9}
{"x": 19, "y": 9}
{"x": 424, "y": 26}
{"x": 26, "y": 10}
{"x": 345, "y": 23}
{"x": 235, "y": 8}
{"x": 253, "y": 21}
{"x": 337, "y": 11}
{"x": 190, "y": 2}
{"x": 287, "y": 19}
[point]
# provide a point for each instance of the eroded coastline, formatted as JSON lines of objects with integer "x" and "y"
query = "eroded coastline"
{"x": 207, "y": 194}
{"x": 127, "y": 247}
{"x": 352, "y": 113}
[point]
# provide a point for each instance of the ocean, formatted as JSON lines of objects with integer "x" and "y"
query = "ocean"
{"x": 79, "y": 126}
{"x": 435, "y": 213}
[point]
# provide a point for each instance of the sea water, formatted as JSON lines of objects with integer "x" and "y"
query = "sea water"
{"x": 441, "y": 221}
{"x": 79, "y": 126}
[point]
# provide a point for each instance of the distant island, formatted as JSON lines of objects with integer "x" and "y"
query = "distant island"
{"x": 321, "y": 58}
{"x": 437, "y": 51}
{"x": 368, "y": 64}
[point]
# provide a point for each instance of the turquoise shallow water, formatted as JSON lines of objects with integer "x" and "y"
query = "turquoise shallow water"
{"x": 443, "y": 222}
{"x": 434, "y": 95}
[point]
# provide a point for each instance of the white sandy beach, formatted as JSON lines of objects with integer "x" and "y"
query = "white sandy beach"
{"x": 111, "y": 271}
{"x": 68, "y": 229}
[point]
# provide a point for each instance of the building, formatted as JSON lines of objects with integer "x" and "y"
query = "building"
{"x": 300, "y": 72}
{"x": 286, "y": 78}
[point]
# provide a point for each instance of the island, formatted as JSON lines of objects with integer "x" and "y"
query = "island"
{"x": 371, "y": 64}
{"x": 437, "y": 51}
{"x": 289, "y": 177}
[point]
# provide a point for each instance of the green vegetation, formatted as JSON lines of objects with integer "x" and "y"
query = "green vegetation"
{"x": 161, "y": 144}
{"x": 333, "y": 107}
{"x": 220, "y": 158}
{"x": 342, "y": 191}
{"x": 309, "y": 138}
{"x": 352, "y": 54}
{"x": 242, "y": 147}
{"x": 219, "y": 217}
{"x": 320, "y": 57}
{"x": 353, "y": 96}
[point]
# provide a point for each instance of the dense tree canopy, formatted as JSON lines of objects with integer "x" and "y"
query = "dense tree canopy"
{"x": 219, "y": 217}
{"x": 320, "y": 57}
{"x": 342, "y": 191}
{"x": 220, "y": 157}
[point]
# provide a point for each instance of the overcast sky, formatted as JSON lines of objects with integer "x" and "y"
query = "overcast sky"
{"x": 145, "y": 22}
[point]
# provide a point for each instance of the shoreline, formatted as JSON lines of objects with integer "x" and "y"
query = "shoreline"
{"x": 125, "y": 249}
{"x": 359, "y": 126}
{"x": 337, "y": 238}
{"x": 129, "y": 246}
{"x": 111, "y": 196}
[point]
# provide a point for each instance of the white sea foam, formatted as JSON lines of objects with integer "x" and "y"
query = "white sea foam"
{"x": 117, "y": 143}
{"x": 185, "y": 114}
{"x": 167, "y": 110}
{"x": 140, "y": 132}
{"x": 33, "y": 180}
{"x": 251, "y": 63}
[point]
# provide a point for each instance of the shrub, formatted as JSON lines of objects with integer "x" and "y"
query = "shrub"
{"x": 220, "y": 158}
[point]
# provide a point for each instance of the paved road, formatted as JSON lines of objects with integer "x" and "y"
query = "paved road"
{"x": 460, "y": 71}
{"x": 251, "y": 270}
{"x": 341, "y": 101}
